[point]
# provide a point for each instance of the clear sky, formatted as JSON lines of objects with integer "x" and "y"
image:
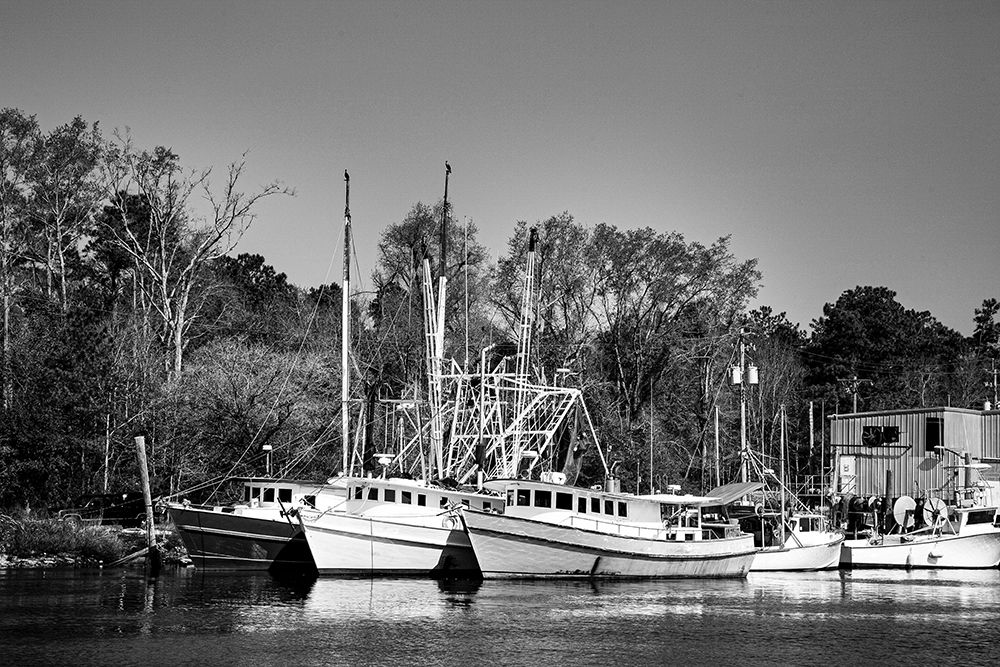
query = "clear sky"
{"x": 841, "y": 143}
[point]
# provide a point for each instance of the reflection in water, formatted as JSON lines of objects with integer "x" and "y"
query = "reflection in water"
{"x": 194, "y": 617}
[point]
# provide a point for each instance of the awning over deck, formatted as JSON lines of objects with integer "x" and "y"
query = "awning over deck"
{"x": 728, "y": 493}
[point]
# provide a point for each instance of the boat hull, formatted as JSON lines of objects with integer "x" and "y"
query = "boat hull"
{"x": 347, "y": 544}
{"x": 795, "y": 558}
{"x": 218, "y": 540}
{"x": 980, "y": 550}
{"x": 513, "y": 547}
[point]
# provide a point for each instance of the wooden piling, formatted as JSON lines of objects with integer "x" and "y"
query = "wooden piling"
{"x": 152, "y": 553}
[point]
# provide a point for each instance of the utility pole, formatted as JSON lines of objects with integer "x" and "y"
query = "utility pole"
{"x": 994, "y": 371}
{"x": 852, "y": 384}
{"x": 736, "y": 378}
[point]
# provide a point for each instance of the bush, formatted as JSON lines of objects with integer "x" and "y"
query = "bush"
{"x": 33, "y": 537}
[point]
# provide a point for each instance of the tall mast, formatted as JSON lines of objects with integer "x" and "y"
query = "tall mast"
{"x": 345, "y": 329}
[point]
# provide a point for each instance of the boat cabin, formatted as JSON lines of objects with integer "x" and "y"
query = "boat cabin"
{"x": 376, "y": 496}
{"x": 270, "y": 493}
{"x": 661, "y": 516}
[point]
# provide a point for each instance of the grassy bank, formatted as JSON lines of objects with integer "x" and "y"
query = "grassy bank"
{"x": 31, "y": 542}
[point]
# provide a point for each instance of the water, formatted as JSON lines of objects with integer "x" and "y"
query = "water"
{"x": 186, "y": 617}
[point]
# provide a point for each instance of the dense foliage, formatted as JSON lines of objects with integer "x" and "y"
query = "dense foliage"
{"x": 128, "y": 309}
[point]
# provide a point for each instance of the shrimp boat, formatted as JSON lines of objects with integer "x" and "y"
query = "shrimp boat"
{"x": 492, "y": 420}
{"x": 395, "y": 527}
{"x": 807, "y": 545}
{"x": 258, "y": 532}
{"x": 951, "y": 538}
{"x": 547, "y": 529}
{"x": 786, "y": 539}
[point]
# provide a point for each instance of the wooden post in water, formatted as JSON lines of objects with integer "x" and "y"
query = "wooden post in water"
{"x": 152, "y": 553}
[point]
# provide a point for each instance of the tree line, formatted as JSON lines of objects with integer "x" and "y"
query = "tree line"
{"x": 128, "y": 309}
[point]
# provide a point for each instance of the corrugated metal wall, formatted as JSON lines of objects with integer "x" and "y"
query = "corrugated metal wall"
{"x": 991, "y": 436}
{"x": 915, "y": 471}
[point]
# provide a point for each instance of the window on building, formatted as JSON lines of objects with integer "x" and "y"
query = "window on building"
{"x": 934, "y": 435}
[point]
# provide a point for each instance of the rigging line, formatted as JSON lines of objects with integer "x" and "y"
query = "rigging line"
{"x": 288, "y": 375}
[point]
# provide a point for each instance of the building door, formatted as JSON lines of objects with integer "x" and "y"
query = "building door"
{"x": 848, "y": 474}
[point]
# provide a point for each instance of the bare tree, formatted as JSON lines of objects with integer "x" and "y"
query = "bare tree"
{"x": 172, "y": 248}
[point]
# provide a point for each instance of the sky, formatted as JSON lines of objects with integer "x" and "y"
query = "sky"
{"x": 839, "y": 143}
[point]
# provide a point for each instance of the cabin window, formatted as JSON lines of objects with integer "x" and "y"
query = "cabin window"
{"x": 581, "y": 505}
{"x": 309, "y": 500}
{"x": 268, "y": 495}
{"x": 523, "y": 497}
{"x": 622, "y": 509}
{"x": 981, "y": 516}
{"x": 406, "y": 497}
{"x": 609, "y": 507}
{"x": 443, "y": 503}
{"x": 543, "y": 499}
{"x": 564, "y": 501}
{"x": 373, "y": 493}
{"x": 421, "y": 500}
{"x": 595, "y": 505}
{"x": 390, "y": 495}
{"x": 465, "y": 502}
{"x": 358, "y": 493}
{"x": 689, "y": 537}
{"x": 246, "y": 494}
{"x": 284, "y": 495}
{"x": 254, "y": 493}
{"x": 487, "y": 506}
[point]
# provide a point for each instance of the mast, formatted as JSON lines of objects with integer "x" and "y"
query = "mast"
{"x": 781, "y": 472}
{"x": 345, "y": 331}
{"x": 524, "y": 349}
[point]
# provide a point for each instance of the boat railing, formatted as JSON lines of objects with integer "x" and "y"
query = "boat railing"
{"x": 616, "y": 528}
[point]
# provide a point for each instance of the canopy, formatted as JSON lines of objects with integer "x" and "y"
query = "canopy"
{"x": 727, "y": 493}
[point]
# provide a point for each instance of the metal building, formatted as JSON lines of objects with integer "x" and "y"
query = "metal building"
{"x": 930, "y": 452}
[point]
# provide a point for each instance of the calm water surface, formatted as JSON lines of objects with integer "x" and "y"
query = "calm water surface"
{"x": 186, "y": 617}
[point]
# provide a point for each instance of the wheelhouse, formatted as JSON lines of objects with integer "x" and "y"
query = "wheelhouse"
{"x": 662, "y": 516}
{"x": 393, "y": 496}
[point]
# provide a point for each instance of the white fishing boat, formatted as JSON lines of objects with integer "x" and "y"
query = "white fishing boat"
{"x": 953, "y": 537}
{"x": 807, "y": 545}
{"x": 547, "y": 529}
{"x": 395, "y": 527}
{"x": 470, "y": 426}
{"x": 787, "y": 539}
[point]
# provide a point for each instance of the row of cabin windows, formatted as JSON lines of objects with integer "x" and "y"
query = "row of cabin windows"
{"x": 254, "y": 493}
{"x": 405, "y": 497}
{"x": 564, "y": 501}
